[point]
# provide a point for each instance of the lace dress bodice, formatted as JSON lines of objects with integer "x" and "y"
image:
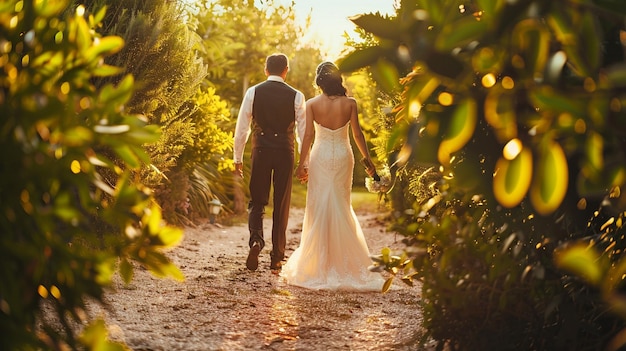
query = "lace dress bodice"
{"x": 332, "y": 161}
{"x": 332, "y": 146}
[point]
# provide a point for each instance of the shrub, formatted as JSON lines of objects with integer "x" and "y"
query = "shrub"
{"x": 164, "y": 56}
{"x": 66, "y": 229}
{"x": 519, "y": 106}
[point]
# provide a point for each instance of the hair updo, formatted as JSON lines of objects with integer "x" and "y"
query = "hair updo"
{"x": 328, "y": 78}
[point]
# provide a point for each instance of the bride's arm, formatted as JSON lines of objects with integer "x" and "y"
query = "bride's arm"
{"x": 359, "y": 138}
{"x": 307, "y": 140}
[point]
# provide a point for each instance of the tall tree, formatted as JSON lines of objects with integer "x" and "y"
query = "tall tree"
{"x": 246, "y": 33}
{"x": 238, "y": 35}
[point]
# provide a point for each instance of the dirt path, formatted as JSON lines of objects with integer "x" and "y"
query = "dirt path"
{"x": 223, "y": 306}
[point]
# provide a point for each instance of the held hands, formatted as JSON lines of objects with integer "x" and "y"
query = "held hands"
{"x": 239, "y": 169}
{"x": 302, "y": 173}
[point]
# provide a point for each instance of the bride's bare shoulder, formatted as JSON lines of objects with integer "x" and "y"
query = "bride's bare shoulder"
{"x": 313, "y": 99}
{"x": 350, "y": 101}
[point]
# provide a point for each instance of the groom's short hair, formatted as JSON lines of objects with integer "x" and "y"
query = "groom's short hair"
{"x": 275, "y": 64}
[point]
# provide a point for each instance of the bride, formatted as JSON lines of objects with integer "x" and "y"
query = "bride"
{"x": 333, "y": 253}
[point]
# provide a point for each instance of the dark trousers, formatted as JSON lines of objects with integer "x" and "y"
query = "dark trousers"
{"x": 270, "y": 167}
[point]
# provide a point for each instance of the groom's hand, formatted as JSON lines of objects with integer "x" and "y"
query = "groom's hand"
{"x": 302, "y": 173}
{"x": 239, "y": 169}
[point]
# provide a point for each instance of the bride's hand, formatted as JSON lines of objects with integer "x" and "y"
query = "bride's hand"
{"x": 370, "y": 169}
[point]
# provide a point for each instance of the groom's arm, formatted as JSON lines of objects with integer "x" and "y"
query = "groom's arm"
{"x": 242, "y": 128}
{"x": 300, "y": 110}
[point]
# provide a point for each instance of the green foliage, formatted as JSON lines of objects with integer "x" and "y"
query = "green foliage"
{"x": 302, "y": 67}
{"x": 202, "y": 167}
{"x": 375, "y": 106}
{"x": 163, "y": 54}
{"x": 170, "y": 62}
{"x": 238, "y": 36}
{"x": 519, "y": 106}
{"x": 64, "y": 225}
{"x": 374, "y": 116}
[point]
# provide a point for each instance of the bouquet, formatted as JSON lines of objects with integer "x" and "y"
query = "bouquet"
{"x": 379, "y": 183}
{"x": 376, "y": 183}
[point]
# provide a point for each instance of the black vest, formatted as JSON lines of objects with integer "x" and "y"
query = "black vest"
{"x": 273, "y": 115}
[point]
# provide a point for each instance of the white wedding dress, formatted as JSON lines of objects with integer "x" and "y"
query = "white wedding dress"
{"x": 333, "y": 254}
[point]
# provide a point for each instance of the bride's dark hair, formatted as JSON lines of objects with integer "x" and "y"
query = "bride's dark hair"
{"x": 328, "y": 78}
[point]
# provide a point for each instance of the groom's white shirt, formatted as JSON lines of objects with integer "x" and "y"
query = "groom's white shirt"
{"x": 242, "y": 129}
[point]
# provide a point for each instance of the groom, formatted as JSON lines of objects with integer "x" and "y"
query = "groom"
{"x": 270, "y": 111}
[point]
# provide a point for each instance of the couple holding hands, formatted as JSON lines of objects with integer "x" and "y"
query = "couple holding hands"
{"x": 333, "y": 253}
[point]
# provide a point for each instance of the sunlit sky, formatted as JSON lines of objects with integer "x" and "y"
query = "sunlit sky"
{"x": 329, "y": 19}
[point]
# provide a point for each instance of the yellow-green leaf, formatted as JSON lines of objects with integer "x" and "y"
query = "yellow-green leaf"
{"x": 66, "y": 213}
{"x": 531, "y": 38}
{"x": 127, "y": 155}
{"x": 616, "y": 74}
{"x": 82, "y": 35}
{"x": 379, "y": 26}
{"x": 49, "y": 8}
{"x": 126, "y": 270}
{"x": 170, "y": 236}
{"x": 512, "y": 178}
{"x": 360, "y": 58}
{"x": 460, "y": 130}
{"x": 117, "y": 95}
{"x": 546, "y": 99}
{"x": 160, "y": 266}
{"x": 144, "y": 135}
{"x": 486, "y": 60}
{"x": 420, "y": 90}
{"x": 437, "y": 10}
{"x": 77, "y": 136}
{"x": 460, "y": 33}
{"x": 550, "y": 180}
{"x": 95, "y": 337}
{"x": 386, "y": 74}
{"x": 490, "y": 8}
{"x": 387, "y": 284}
{"x": 594, "y": 151}
{"x": 500, "y": 114}
{"x": 582, "y": 261}
{"x": 105, "y": 272}
{"x": 104, "y": 46}
{"x": 106, "y": 70}
{"x": 153, "y": 219}
{"x": 98, "y": 17}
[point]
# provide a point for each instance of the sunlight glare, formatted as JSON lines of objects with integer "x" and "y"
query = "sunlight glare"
{"x": 488, "y": 80}
{"x": 512, "y": 149}
{"x": 329, "y": 20}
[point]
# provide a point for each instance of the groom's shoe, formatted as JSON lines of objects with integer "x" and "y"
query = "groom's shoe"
{"x": 276, "y": 266}
{"x": 252, "y": 263}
